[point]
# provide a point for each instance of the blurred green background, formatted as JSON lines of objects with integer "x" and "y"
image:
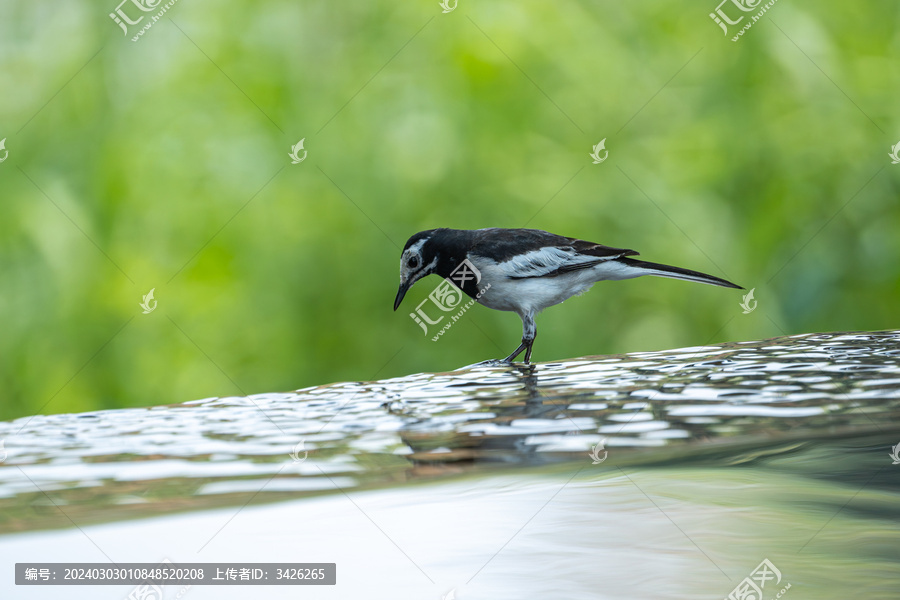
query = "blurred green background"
{"x": 163, "y": 163}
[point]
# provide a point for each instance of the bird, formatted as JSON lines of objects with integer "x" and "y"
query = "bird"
{"x": 525, "y": 270}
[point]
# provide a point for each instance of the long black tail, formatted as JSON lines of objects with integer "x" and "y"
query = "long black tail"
{"x": 676, "y": 272}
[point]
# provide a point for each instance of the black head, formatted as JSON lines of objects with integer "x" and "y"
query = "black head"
{"x": 419, "y": 258}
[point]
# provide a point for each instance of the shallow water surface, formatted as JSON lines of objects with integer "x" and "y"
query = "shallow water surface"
{"x": 661, "y": 474}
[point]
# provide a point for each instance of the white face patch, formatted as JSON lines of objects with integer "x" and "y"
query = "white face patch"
{"x": 417, "y": 247}
{"x": 411, "y": 263}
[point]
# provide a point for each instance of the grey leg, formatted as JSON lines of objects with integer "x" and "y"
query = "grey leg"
{"x": 516, "y": 352}
{"x": 529, "y": 332}
{"x": 528, "y": 353}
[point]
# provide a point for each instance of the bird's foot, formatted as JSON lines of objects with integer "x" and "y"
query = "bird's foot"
{"x": 513, "y": 363}
{"x": 493, "y": 362}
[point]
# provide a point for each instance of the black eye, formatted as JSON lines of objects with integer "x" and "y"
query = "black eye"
{"x": 413, "y": 262}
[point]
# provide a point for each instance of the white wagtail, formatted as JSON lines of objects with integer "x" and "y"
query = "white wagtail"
{"x": 525, "y": 270}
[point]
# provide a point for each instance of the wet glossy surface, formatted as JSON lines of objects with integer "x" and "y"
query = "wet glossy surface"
{"x": 689, "y": 405}
{"x": 574, "y": 531}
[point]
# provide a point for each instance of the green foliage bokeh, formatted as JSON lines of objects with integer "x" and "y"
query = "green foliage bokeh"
{"x": 164, "y": 164}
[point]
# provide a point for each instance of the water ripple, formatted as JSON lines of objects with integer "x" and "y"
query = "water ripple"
{"x": 355, "y": 434}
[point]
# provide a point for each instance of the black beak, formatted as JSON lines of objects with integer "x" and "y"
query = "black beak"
{"x": 404, "y": 287}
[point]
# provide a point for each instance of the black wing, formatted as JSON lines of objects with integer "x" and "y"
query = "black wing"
{"x": 524, "y": 253}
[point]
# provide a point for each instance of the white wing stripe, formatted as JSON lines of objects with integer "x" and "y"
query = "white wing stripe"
{"x": 539, "y": 263}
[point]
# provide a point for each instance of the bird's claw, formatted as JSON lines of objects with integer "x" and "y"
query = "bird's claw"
{"x": 493, "y": 362}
